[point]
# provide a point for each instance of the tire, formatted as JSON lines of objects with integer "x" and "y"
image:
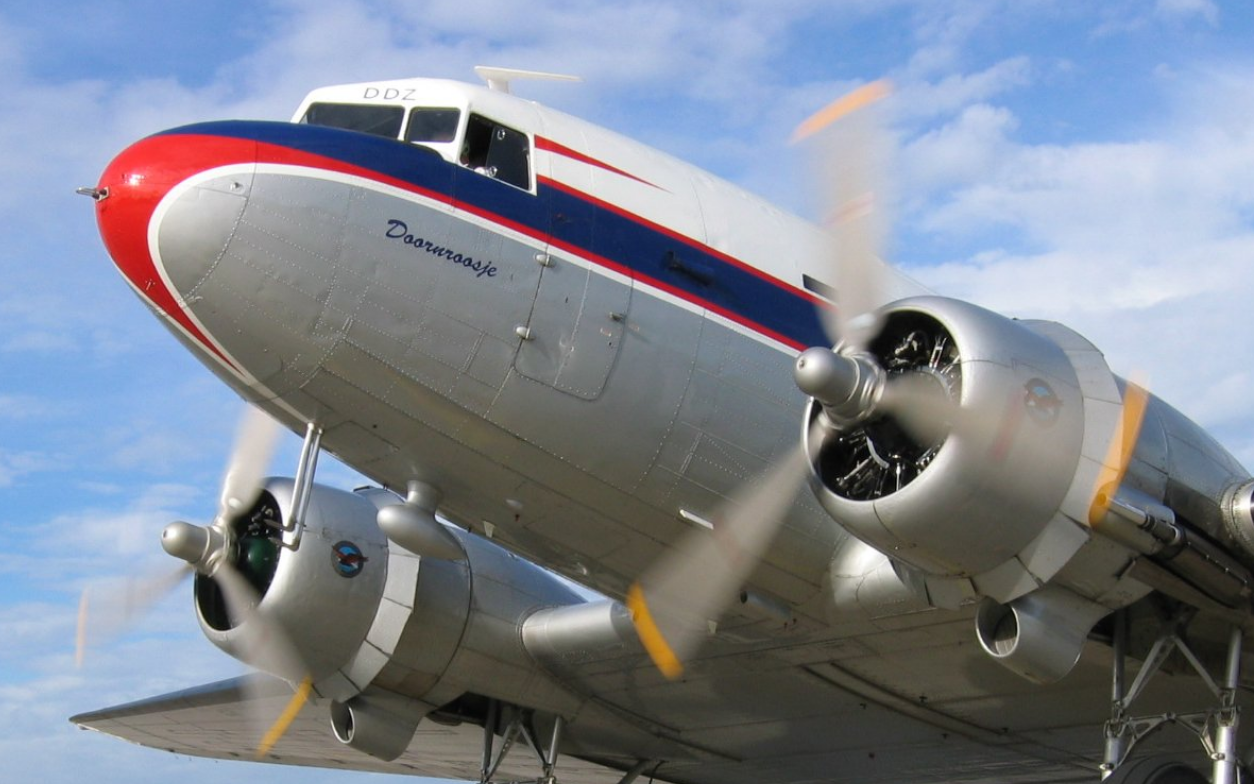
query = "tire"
{"x": 1156, "y": 771}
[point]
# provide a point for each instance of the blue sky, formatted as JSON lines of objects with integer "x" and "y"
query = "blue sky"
{"x": 1091, "y": 163}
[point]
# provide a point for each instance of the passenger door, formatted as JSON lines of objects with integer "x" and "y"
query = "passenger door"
{"x": 581, "y": 308}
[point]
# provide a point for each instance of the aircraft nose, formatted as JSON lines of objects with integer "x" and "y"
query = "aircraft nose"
{"x": 129, "y": 191}
{"x": 136, "y": 191}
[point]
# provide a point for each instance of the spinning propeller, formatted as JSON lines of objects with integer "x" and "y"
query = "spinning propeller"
{"x": 238, "y": 556}
{"x": 880, "y": 390}
{"x": 675, "y": 601}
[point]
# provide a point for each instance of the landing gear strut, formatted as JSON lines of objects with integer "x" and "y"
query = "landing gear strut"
{"x": 1216, "y": 728}
{"x": 518, "y": 723}
{"x": 513, "y": 724}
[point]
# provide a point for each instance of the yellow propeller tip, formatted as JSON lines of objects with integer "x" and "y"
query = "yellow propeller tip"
{"x": 651, "y": 636}
{"x": 1122, "y": 447}
{"x": 280, "y": 727}
{"x": 841, "y": 107}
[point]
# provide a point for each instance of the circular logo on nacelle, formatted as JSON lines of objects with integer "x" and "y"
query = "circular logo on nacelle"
{"x": 347, "y": 559}
{"x": 1042, "y": 402}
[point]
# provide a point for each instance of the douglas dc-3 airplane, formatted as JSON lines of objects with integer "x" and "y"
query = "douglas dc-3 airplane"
{"x": 591, "y": 381}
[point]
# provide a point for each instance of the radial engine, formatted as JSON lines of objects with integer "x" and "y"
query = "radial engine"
{"x": 980, "y": 459}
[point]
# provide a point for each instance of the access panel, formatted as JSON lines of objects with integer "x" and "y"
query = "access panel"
{"x": 575, "y": 330}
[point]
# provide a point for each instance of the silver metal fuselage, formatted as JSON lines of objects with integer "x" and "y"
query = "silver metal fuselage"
{"x": 581, "y": 377}
{"x": 569, "y": 375}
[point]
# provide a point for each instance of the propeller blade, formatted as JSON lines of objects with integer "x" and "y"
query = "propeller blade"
{"x": 922, "y": 408}
{"x": 106, "y": 610}
{"x": 918, "y": 402}
{"x": 269, "y": 648}
{"x": 255, "y": 441}
{"x": 844, "y": 143}
{"x": 1122, "y": 446}
{"x": 675, "y": 600}
{"x": 289, "y": 714}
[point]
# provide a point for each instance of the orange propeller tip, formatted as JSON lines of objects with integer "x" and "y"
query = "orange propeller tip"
{"x": 651, "y": 636}
{"x": 865, "y": 95}
{"x": 281, "y": 725}
{"x": 1122, "y": 446}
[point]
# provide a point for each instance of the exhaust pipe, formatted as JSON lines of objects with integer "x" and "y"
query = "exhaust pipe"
{"x": 1038, "y": 636}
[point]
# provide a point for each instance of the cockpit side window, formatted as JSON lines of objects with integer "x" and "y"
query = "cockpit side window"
{"x": 497, "y": 151}
{"x": 377, "y": 120}
{"x": 432, "y": 125}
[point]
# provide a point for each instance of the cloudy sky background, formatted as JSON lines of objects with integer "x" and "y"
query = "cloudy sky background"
{"x": 1091, "y": 163}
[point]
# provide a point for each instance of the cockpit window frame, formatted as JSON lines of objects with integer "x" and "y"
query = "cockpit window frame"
{"x": 453, "y": 135}
{"x": 477, "y": 141}
{"x": 399, "y": 117}
{"x": 497, "y": 150}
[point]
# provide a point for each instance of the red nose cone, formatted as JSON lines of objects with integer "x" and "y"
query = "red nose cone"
{"x": 135, "y": 183}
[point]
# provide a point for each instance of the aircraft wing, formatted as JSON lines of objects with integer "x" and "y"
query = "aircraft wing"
{"x": 215, "y": 721}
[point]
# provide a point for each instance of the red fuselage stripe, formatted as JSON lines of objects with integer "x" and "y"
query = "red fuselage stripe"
{"x": 548, "y": 145}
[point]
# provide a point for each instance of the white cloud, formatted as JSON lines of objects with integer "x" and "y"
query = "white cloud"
{"x": 1141, "y": 245}
{"x": 25, "y": 407}
{"x": 1123, "y": 17}
{"x": 954, "y": 92}
{"x": 961, "y": 152}
{"x": 1175, "y": 10}
{"x": 16, "y": 465}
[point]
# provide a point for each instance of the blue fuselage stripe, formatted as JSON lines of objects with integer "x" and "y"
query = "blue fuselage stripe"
{"x": 635, "y": 247}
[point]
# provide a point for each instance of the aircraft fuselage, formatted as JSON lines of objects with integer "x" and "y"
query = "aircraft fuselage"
{"x": 542, "y": 355}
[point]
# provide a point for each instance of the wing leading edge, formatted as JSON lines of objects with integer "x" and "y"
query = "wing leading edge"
{"x": 213, "y": 721}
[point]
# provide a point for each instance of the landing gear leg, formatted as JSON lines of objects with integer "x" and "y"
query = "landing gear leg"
{"x": 302, "y": 487}
{"x": 516, "y": 723}
{"x": 1215, "y": 728}
{"x": 1117, "y": 730}
{"x": 1224, "y": 752}
{"x": 548, "y": 759}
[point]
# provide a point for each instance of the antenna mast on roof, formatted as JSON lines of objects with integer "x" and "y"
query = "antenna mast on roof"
{"x": 499, "y": 78}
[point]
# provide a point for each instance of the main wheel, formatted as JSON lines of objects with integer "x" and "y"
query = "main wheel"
{"x": 1156, "y": 770}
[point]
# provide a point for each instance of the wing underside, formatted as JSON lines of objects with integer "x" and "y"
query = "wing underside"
{"x": 215, "y": 721}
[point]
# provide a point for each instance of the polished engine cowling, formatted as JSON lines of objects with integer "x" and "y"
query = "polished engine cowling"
{"x": 1020, "y": 495}
{"x": 1002, "y": 498}
{"x": 385, "y": 635}
{"x": 323, "y": 592}
{"x": 973, "y": 503}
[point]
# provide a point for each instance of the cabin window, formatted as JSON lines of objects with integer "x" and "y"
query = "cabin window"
{"x": 377, "y": 120}
{"x": 432, "y": 125}
{"x": 497, "y": 151}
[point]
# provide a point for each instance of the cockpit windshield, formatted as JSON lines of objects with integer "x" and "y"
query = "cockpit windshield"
{"x": 432, "y": 125}
{"x": 377, "y": 120}
{"x": 484, "y": 145}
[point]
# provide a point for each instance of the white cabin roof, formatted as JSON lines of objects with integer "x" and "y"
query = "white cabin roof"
{"x": 629, "y": 176}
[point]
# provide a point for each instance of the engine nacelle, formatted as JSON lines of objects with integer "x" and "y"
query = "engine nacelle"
{"x": 1002, "y": 497}
{"x": 386, "y": 635}
{"x": 976, "y": 501}
{"x": 323, "y": 594}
